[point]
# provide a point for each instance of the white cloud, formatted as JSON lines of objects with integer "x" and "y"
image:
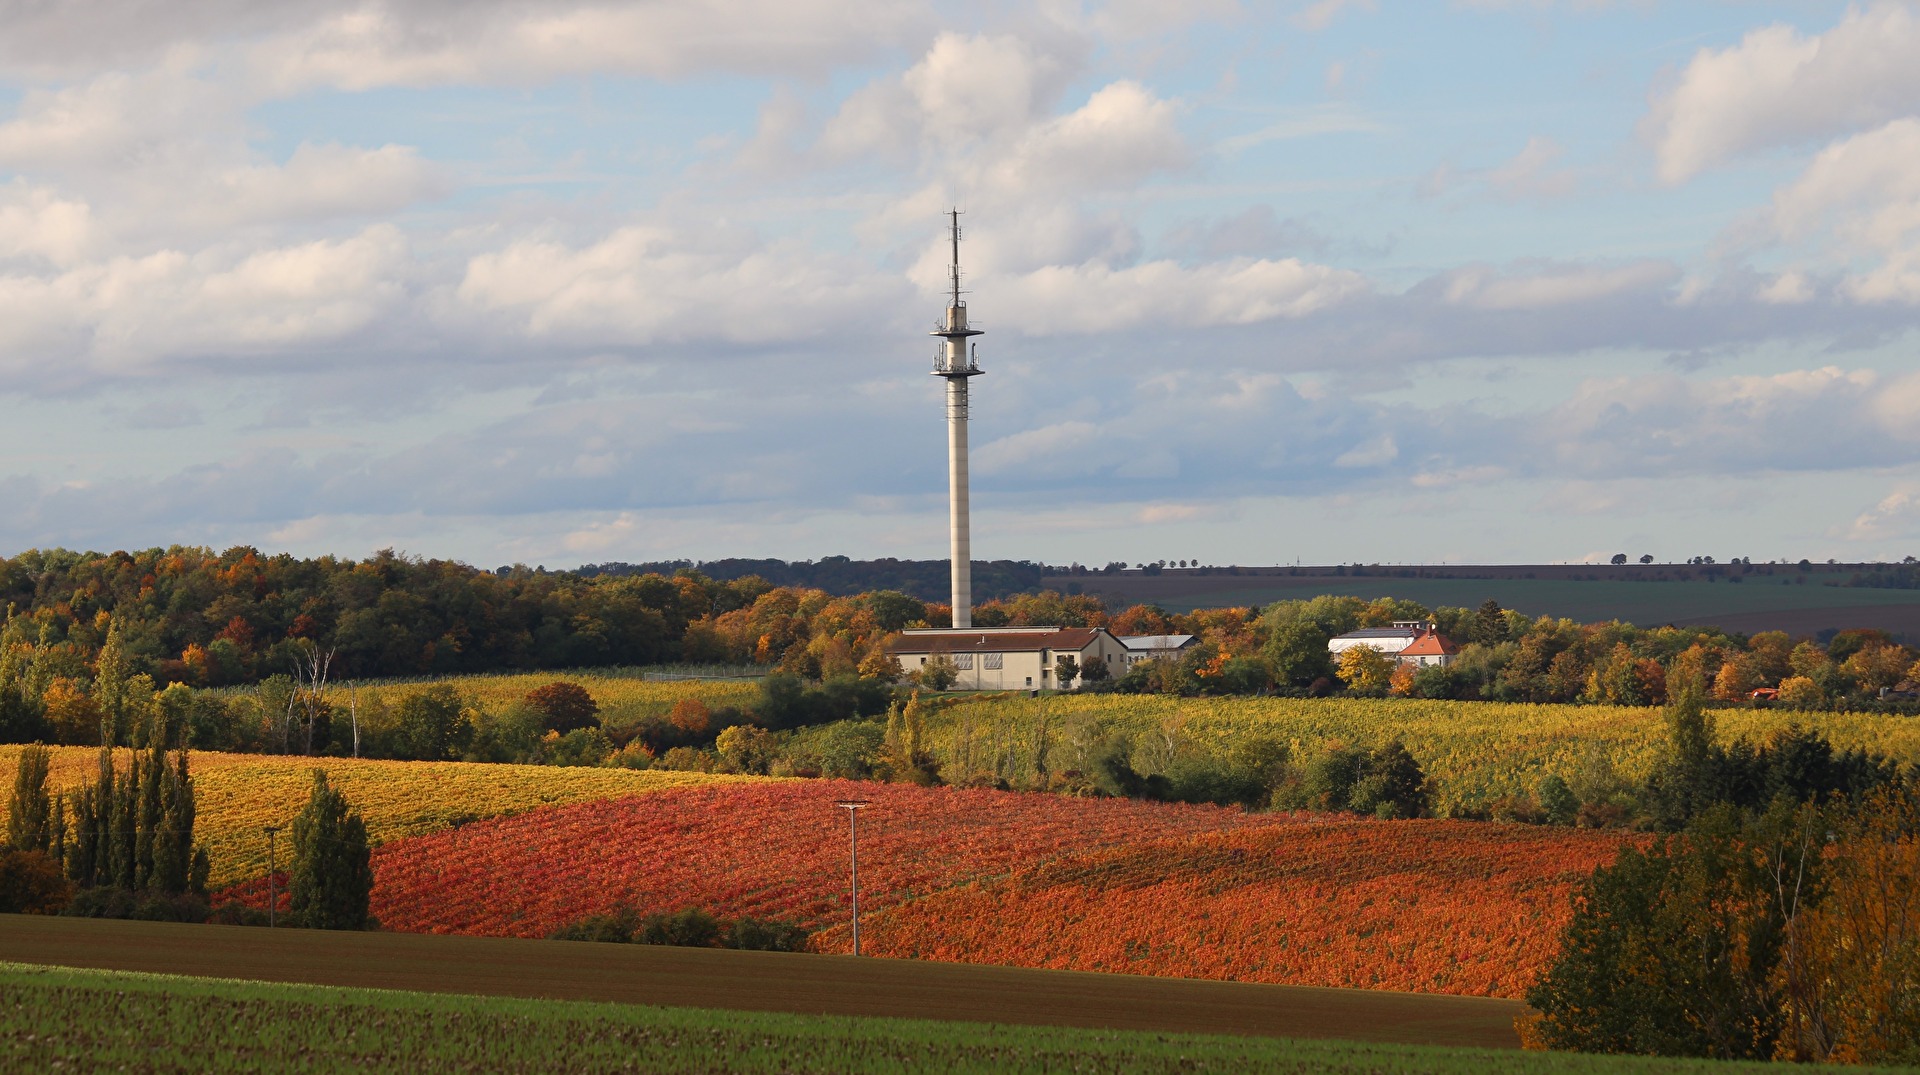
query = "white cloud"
{"x": 1864, "y": 191}
{"x": 642, "y": 285}
{"x": 1552, "y": 285}
{"x": 117, "y": 120}
{"x": 1534, "y": 172}
{"x": 488, "y": 44}
{"x": 127, "y": 313}
{"x": 1097, "y": 297}
{"x": 1320, "y": 14}
{"x": 1894, "y": 516}
{"x": 35, "y": 222}
{"x": 1120, "y": 136}
{"x": 1778, "y": 88}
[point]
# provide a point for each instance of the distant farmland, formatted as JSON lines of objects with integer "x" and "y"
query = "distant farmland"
{"x": 1800, "y": 603}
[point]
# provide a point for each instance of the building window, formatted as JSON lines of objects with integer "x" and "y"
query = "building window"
{"x": 1029, "y": 681}
{"x": 963, "y": 660}
{"x": 993, "y": 661}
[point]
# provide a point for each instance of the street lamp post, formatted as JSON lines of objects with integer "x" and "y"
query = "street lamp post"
{"x": 852, "y": 807}
{"x": 273, "y": 867}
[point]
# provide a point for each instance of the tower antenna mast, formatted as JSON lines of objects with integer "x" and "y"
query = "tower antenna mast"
{"x": 955, "y": 364}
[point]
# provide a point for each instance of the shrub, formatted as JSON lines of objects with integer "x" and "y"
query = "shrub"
{"x": 615, "y": 927}
{"x": 691, "y": 928}
{"x": 32, "y": 883}
{"x": 764, "y": 935}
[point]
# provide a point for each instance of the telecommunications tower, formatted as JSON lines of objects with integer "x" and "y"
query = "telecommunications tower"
{"x": 955, "y": 362}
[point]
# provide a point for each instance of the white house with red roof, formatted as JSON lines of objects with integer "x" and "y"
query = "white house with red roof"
{"x": 1416, "y": 642}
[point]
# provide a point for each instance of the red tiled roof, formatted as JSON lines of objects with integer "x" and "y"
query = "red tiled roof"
{"x": 1429, "y": 644}
{"x": 1068, "y": 638}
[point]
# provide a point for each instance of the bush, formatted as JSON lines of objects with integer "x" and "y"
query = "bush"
{"x": 691, "y": 928}
{"x": 616, "y": 927}
{"x": 764, "y": 935}
{"x": 235, "y": 913}
{"x": 32, "y": 883}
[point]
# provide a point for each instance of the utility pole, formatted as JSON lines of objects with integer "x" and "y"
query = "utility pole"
{"x": 273, "y": 867}
{"x": 852, "y": 807}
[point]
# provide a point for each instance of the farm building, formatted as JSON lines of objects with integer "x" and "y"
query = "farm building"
{"x": 1009, "y": 658}
{"x": 1408, "y": 641}
{"x": 1154, "y": 647}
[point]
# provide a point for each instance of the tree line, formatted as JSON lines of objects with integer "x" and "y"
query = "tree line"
{"x": 1780, "y": 921}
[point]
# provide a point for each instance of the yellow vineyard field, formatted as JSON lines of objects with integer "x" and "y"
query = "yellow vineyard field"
{"x": 239, "y": 794}
{"x": 622, "y": 698}
{"x": 1474, "y": 751}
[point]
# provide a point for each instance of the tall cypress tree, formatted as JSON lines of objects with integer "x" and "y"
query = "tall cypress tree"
{"x": 123, "y": 855}
{"x": 332, "y": 873}
{"x": 30, "y": 810}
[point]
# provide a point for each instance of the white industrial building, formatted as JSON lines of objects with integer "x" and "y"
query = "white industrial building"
{"x": 1009, "y": 658}
{"x": 1156, "y": 647}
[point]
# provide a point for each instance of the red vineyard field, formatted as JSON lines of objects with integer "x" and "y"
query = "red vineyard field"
{"x": 1027, "y": 880}
{"x": 776, "y": 850}
{"x": 1422, "y": 906}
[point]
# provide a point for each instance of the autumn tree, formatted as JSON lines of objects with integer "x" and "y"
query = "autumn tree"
{"x": 1365, "y": 670}
{"x": 881, "y": 664}
{"x": 566, "y": 706}
{"x": 1875, "y": 667}
{"x": 692, "y": 717}
{"x": 939, "y": 673}
{"x": 1850, "y": 963}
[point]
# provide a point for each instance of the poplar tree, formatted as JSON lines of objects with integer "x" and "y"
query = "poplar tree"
{"x": 30, "y": 812}
{"x": 331, "y": 876}
{"x": 111, "y": 687}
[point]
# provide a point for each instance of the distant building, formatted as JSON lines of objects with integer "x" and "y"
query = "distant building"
{"x": 1408, "y": 641}
{"x": 1009, "y": 658}
{"x": 1154, "y": 647}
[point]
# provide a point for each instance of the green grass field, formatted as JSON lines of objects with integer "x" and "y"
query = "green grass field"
{"x": 1648, "y": 604}
{"x": 62, "y": 1019}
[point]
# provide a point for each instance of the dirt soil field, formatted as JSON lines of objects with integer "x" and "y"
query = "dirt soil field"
{"x": 758, "y": 981}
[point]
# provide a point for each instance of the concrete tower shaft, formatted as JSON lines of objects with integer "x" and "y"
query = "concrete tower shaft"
{"x": 955, "y": 363}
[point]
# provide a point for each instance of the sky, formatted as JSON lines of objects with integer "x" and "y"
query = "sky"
{"x": 1337, "y": 281}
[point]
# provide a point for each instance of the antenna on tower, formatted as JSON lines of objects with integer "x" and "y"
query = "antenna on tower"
{"x": 953, "y": 271}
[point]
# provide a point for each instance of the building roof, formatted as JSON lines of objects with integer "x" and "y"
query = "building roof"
{"x": 1430, "y": 644}
{"x": 1379, "y": 632}
{"x": 1156, "y": 642}
{"x": 996, "y": 641}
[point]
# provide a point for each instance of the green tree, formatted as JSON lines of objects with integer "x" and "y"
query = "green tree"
{"x": 331, "y": 876}
{"x": 113, "y": 688}
{"x": 1672, "y": 950}
{"x": 1558, "y": 801}
{"x": 1066, "y": 669}
{"x": 432, "y": 724}
{"x": 1296, "y": 654}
